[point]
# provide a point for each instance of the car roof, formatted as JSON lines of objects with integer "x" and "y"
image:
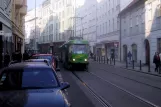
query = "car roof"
{"x": 42, "y": 55}
{"x": 23, "y": 65}
{"x": 37, "y": 60}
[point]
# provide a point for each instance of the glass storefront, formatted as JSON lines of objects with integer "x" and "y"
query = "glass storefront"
{"x": 112, "y": 48}
{"x": 159, "y": 45}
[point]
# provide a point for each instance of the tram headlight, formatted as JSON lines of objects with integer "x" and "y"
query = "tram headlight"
{"x": 85, "y": 59}
{"x": 73, "y": 59}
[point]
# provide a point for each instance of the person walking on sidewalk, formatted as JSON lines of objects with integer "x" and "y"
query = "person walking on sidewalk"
{"x": 156, "y": 61}
{"x": 25, "y": 56}
{"x": 6, "y": 59}
{"x": 18, "y": 56}
{"x": 112, "y": 56}
{"x": 129, "y": 55}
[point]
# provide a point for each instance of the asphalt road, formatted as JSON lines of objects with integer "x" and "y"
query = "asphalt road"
{"x": 147, "y": 87}
{"x": 117, "y": 87}
{"x": 76, "y": 94}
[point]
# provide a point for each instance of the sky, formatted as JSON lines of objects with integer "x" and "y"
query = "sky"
{"x": 31, "y": 3}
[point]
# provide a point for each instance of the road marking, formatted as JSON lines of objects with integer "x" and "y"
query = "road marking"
{"x": 100, "y": 99}
{"x": 138, "y": 97}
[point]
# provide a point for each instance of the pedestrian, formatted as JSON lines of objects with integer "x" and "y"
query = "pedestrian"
{"x": 129, "y": 55}
{"x": 112, "y": 56}
{"x": 25, "y": 56}
{"x": 18, "y": 56}
{"x": 6, "y": 59}
{"x": 156, "y": 61}
{"x": 13, "y": 56}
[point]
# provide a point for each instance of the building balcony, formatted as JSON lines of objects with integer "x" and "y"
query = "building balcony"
{"x": 23, "y": 10}
{"x": 20, "y": 3}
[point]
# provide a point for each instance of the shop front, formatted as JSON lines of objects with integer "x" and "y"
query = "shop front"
{"x": 6, "y": 43}
{"x": 18, "y": 43}
{"x": 112, "y": 47}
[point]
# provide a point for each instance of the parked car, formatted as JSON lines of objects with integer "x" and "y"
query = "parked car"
{"x": 53, "y": 60}
{"x": 31, "y": 84}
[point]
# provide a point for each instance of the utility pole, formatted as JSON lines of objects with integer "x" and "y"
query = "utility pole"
{"x": 35, "y": 26}
{"x": 75, "y": 19}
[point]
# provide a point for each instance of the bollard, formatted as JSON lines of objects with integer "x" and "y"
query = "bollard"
{"x": 126, "y": 64}
{"x": 107, "y": 60}
{"x": 114, "y": 61}
{"x": 149, "y": 67}
{"x": 110, "y": 60}
{"x": 133, "y": 64}
{"x": 99, "y": 59}
{"x": 140, "y": 66}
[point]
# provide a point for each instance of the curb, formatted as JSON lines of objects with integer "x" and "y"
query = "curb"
{"x": 133, "y": 70}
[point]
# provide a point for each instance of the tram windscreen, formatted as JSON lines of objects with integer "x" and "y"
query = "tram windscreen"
{"x": 79, "y": 49}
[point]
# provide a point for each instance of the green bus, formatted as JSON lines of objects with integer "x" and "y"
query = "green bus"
{"x": 75, "y": 53}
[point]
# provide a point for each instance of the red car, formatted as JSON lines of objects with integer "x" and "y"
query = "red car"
{"x": 50, "y": 57}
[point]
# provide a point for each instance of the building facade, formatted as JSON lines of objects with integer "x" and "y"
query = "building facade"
{"x": 140, "y": 30}
{"x": 18, "y": 12}
{"x": 32, "y": 28}
{"x": 6, "y": 41}
{"x": 98, "y": 22}
{"x": 108, "y": 28}
{"x": 56, "y": 23}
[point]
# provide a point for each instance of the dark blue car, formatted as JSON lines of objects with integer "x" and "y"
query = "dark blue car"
{"x": 31, "y": 84}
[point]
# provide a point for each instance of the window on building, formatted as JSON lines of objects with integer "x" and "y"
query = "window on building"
{"x": 113, "y": 3}
{"x": 100, "y": 30}
{"x": 106, "y": 27}
{"x": 109, "y": 26}
{"x": 150, "y": 12}
{"x": 103, "y": 28}
{"x": 143, "y": 15}
{"x": 131, "y": 20}
{"x": 63, "y": 14}
{"x": 130, "y": 30}
{"x": 159, "y": 45}
{"x": 118, "y": 2}
{"x": 137, "y": 20}
{"x": 63, "y": 25}
{"x": 158, "y": 10}
{"x": 113, "y": 24}
{"x": 124, "y": 32}
{"x": 118, "y": 24}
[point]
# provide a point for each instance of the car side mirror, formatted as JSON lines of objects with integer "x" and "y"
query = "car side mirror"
{"x": 64, "y": 85}
{"x": 57, "y": 69}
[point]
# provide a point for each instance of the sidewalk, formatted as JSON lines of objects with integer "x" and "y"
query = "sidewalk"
{"x": 144, "y": 68}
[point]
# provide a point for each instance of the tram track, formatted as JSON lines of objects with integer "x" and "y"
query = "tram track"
{"x": 131, "y": 79}
{"x": 102, "y": 100}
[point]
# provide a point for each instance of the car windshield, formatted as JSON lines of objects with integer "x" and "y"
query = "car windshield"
{"x": 28, "y": 78}
{"x": 78, "y": 49}
{"x": 49, "y": 57}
